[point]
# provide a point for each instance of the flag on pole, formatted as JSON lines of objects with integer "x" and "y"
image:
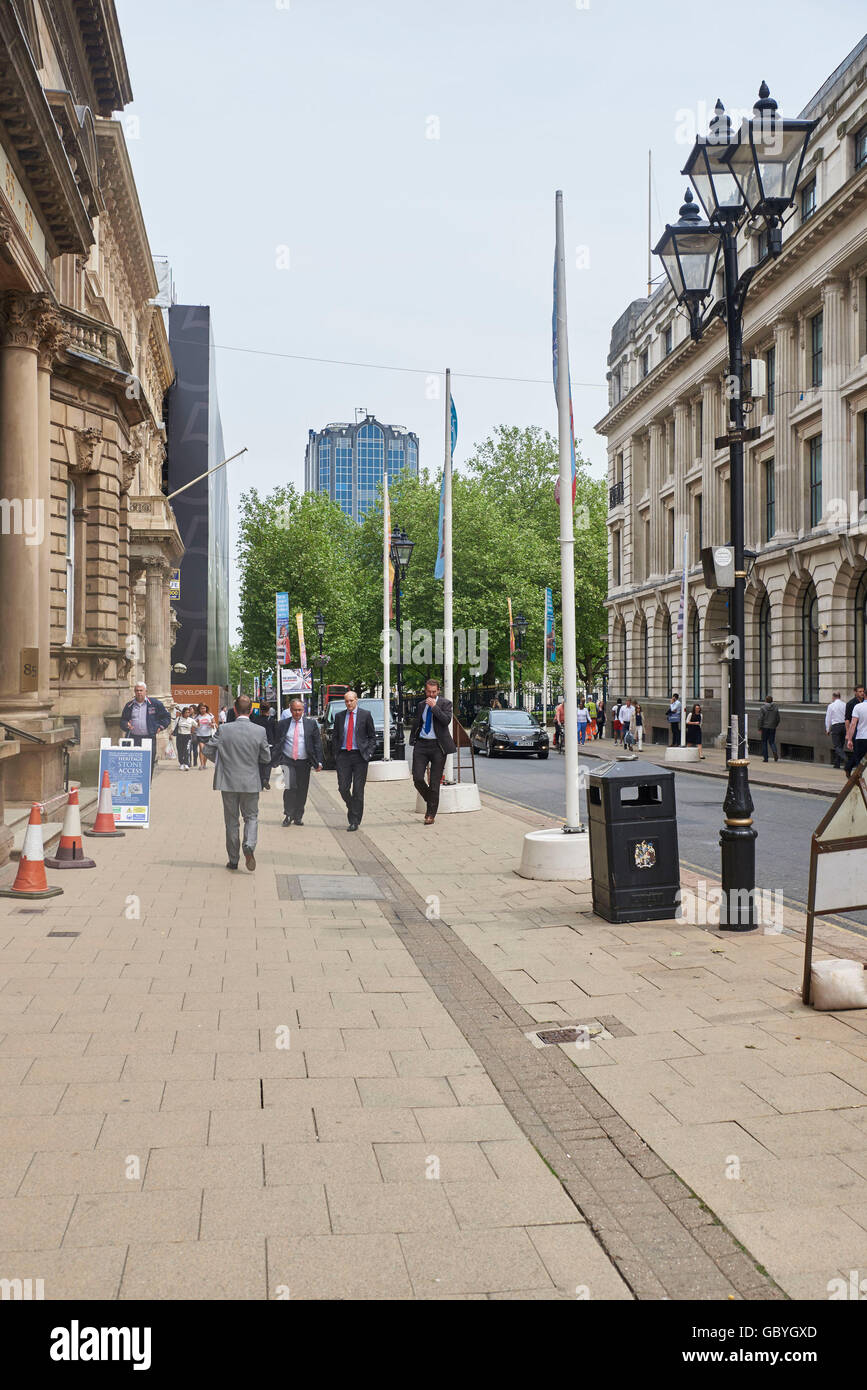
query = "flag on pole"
{"x": 555, "y": 353}
{"x": 386, "y": 541}
{"x": 439, "y": 568}
{"x": 299, "y": 621}
{"x": 511, "y": 632}
{"x": 550, "y": 638}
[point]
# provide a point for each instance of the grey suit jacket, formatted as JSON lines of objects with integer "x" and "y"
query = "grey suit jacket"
{"x": 240, "y": 748}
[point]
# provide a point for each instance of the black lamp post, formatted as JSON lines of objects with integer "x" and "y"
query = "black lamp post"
{"x": 320, "y": 632}
{"x": 401, "y": 552}
{"x": 751, "y": 174}
{"x": 520, "y": 624}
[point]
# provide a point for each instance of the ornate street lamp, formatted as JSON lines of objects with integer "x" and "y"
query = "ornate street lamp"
{"x": 754, "y": 174}
{"x": 401, "y": 553}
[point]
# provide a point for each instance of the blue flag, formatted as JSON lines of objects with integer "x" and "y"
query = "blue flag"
{"x": 440, "y": 567}
{"x": 550, "y": 639}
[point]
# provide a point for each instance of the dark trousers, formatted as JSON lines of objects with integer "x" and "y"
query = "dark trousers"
{"x": 675, "y": 733}
{"x": 183, "y": 742}
{"x": 859, "y": 750}
{"x": 351, "y": 777}
{"x": 428, "y": 752}
{"x": 295, "y": 796}
{"x": 769, "y": 743}
{"x": 838, "y": 744}
{"x": 137, "y": 738}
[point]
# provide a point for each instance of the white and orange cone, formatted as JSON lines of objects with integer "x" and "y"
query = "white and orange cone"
{"x": 70, "y": 853}
{"x": 105, "y": 823}
{"x": 30, "y": 881}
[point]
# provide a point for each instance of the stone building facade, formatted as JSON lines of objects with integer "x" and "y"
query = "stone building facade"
{"x": 805, "y": 473}
{"x": 84, "y": 365}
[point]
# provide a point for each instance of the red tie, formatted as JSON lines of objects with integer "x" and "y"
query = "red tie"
{"x": 350, "y": 730}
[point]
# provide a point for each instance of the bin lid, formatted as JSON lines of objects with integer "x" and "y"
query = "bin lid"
{"x": 630, "y": 770}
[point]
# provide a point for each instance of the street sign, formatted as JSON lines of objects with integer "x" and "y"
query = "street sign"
{"x": 129, "y": 770}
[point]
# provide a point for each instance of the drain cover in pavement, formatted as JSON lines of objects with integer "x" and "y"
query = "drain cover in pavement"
{"x": 329, "y": 887}
{"x": 584, "y": 1033}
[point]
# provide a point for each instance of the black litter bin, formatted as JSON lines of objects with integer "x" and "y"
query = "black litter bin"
{"x": 634, "y": 863}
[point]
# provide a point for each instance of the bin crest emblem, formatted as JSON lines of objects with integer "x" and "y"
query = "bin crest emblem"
{"x": 645, "y": 854}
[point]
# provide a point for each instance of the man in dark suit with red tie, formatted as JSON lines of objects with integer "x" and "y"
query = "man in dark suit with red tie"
{"x": 431, "y": 737}
{"x": 355, "y": 744}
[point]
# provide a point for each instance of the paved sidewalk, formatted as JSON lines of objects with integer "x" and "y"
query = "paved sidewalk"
{"x": 221, "y": 1086}
{"x": 756, "y": 1103}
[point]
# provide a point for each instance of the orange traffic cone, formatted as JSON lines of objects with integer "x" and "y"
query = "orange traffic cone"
{"x": 70, "y": 854}
{"x": 30, "y": 881}
{"x": 105, "y": 823}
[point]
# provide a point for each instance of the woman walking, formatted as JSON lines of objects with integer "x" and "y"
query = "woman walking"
{"x": 183, "y": 732}
{"x": 205, "y": 724}
{"x": 639, "y": 727}
{"x": 693, "y": 729}
{"x": 583, "y": 721}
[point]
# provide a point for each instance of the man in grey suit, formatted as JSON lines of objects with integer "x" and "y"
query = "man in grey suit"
{"x": 240, "y": 749}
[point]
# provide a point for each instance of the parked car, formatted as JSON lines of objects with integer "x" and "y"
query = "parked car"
{"x": 375, "y": 707}
{"x": 508, "y": 731}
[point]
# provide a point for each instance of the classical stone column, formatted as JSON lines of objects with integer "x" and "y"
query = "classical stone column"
{"x": 25, "y": 487}
{"x": 156, "y": 618}
{"x": 788, "y": 493}
{"x": 835, "y": 425}
{"x": 655, "y": 479}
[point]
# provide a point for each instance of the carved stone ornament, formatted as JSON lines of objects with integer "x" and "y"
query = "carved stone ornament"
{"x": 55, "y": 337}
{"x": 86, "y": 459}
{"x": 100, "y": 666}
{"x": 68, "y": 666}
{"x": 23, "y": 318}
{"x": 129, "y": 464}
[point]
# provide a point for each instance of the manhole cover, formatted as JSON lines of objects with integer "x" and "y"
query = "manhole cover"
{"x": 329, "y": 887}
{"x": 581, "y": 1033}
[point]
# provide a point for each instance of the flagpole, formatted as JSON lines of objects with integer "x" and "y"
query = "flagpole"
{"x": 448, "y": 589}
{"x": 545, "y": 664}
{"x": 685, "y": 625}
{"x": 386, "y": 626}
{"x": 567, "y": 540}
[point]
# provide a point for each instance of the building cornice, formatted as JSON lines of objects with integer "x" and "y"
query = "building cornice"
{"x": 128, "y": 225}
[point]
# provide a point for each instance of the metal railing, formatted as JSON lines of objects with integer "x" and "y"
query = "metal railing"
{"x": 615, "y": 495}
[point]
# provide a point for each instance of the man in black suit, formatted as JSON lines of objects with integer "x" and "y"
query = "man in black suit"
{"x": 354, "y": 746}
{"x": 268, "y": 722}
{"x": 431, "y": 737}
{"x": 296, "y": 747}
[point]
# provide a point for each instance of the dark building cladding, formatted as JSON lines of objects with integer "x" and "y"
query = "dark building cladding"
{"x": 195, "y": 443}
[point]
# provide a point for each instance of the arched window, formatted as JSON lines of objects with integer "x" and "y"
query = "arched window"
{"x": 763, "y": 665}
{"x": 861, "y": 630}
{"x": 669, "y": 662}
{"x": 623, "y": 668}
{"x": 643, "y": 650}
{"x": 810, "y": 645}
{"x": 696, "y": 656}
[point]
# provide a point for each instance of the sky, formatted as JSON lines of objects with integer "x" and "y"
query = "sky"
{"x": 373, "y": 183}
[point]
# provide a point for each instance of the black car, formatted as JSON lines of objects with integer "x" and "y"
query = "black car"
{"x": 508, "y": 731}
{"x": 375, "y": 707}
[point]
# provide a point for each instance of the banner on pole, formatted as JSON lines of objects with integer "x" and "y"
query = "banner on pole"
{"x": 284, "y": 647}
{"x": 440, "y": 567}
{"x": 129, "y": 770}
{"x": 681, "y": 611}
{"x": 296, "y": 681}
{"x": 511, "y": 632}
{"x": 555, "y": 344}
{"x": 299, "y": 620}
{"x": 550, "y": 639}
{"x": 386, "y": 542}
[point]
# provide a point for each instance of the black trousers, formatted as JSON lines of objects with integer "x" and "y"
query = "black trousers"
{"x": 427, "y": 752}
{"x": 137, "y": 738}
{"x": 838, "y": 744}
{"x": 183, "y": 742}
{"x": 351, "y": 777}
{"x": 859, "y": 749}
{"x": 295, "y": 797}
{"x": 769, "y": 743}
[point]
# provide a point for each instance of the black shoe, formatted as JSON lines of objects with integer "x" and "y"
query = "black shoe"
{"x": 299, "y": 820}
{"x": 230, "y": 865}
{"x": 266, "y": 786}
{"x": 764, "y": 760}
{"x": 287, "y": 820}
{"x": 352, "y": 825}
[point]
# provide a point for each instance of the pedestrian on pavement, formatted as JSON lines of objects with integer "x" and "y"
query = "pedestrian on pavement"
{"x": 205, "y": 726}
{"x": 672, "y": 714}
{"x": 559, "y": 725}
{"x": 616, "y": 726}
{"x": 627, "y": 723}
{"x": 769, "y": 719}
{"x": 297, "y": 748}
{"x": 600, "y": 718}
{"x": 591, "y": 712}
{"x": 268, "y": 720}
{"x": 835, "y": 727}
{"x": 431, "y": 741}
{"x": 355, "y": 742}
{"x": 239, "y": 749}
{"x": 223, "y": 714}
{"x": 183, "y": 735}
{"x": 583, "y": 720}
{"x": 860, "y": 694}
{"x": 495, "y": 703}
{"x": 143, "y": 718}
{"x": 639, "y": 726}
{"x": 693, "y": 729}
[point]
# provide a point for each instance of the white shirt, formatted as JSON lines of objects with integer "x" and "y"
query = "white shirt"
{"x": 290, "y": 739}
{"x": 583, "y": 714}
{"x": 138, "y": 719}
{"x": 835, "y": 714}
{"x": 205, "y": 725}
{"x": 860, "y": 713}
{"x": 185, "y": 724}
{"x": 627, "y": 713}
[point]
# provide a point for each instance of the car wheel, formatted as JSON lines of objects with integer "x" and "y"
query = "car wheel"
{"x": 543, "y": 754}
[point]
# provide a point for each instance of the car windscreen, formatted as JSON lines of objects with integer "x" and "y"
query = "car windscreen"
{"x": 512, "y": 719}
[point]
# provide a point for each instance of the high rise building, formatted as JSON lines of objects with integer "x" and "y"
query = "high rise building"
{"x": 195, "y": 444}
{"x": 346, "y": 462}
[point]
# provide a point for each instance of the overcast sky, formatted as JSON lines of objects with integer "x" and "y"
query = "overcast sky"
{"x": 285, "y": 163}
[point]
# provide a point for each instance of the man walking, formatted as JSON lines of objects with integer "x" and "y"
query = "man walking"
{"x": 431, "y": 740}
{"x": 835, "y": 726}
{"x": 240, "y": 749}
{"x": 297, "y": 748}
{"x": 856, "y": 699}
{"x": 769, "y": 718}
{"x": 143, "y": 718}
{"x": 627, "y": 723}
{"x": 672, "y": 714}
{"x": 355, "y": 744}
